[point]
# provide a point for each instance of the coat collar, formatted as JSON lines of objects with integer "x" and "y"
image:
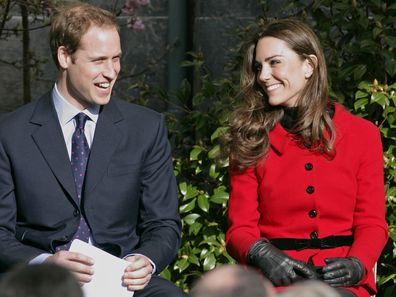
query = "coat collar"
{"x": 280, "y": 138}
{"x": 49, "y": 139}
{"x": 107, "y": 136}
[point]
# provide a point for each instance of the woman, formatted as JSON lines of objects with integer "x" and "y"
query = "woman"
{"x": 307, "y": 193}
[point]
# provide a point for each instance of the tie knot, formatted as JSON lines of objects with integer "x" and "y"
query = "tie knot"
{"x": 81, "y": 118}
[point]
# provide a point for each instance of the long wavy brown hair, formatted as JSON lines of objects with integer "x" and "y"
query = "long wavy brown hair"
{"x": 247, "y": 139}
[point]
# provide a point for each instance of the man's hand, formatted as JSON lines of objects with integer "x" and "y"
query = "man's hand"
{"x": 138, "y": 274}
{"x": 279, "y": 268}
{"x": 79, "y": 264}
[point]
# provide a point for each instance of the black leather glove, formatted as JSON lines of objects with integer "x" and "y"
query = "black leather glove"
{"x": 280, "y": 269}
{"x": 343, "y": 272}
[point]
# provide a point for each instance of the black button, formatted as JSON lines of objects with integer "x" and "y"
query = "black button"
{"x": 314, "y": 235}
{"x": 313, "y": 213}
{"x": 308, "y": 166}
{"x": 310, "y": 189}
{"x": 76, "y": 212}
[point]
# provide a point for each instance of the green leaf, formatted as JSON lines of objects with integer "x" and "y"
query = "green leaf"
{"x": 391, "y": 192}
{"x": 195, "y": 153}
{"x": 361, "y": 104}
{"x": 364, "y": 85}
{"x": 195, "y": 228}
{"x": 198, "y": 99}
{"x": 218, "y": 132}
{"x": 393, "y": 86}
{"x": 219, "y": 198}
{"x": 166, "y": 274}
{"x": 187, "y": 207}
{"x": 359, "y": 71}
{"x": 209, "y": 262}
{"x": 386, "y": 279}
{"x": 192, "y": 192}
{"x": 214, "y": 152}
{"x": 182, "y": 264}
{"x": 390, "y": 40}
{"x": 198, "y": 170}
{"x": 380, "y": 98}
{"x": 360, "y": 94}
{"x": 212, "y": 171}
{"x": 203, "y": 203}
{"x": 190, "y": 219}
{"x": 183, "y": 188}
{"x": 194, "y": 259}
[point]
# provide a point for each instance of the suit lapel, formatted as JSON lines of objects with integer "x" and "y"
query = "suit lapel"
{"x": 49, "y": 139}
{"x": 106, "y": 138}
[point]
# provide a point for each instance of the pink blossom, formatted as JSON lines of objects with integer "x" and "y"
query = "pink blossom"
{"x": 136, "y": 23}
{"x": 143, "y": 2}
{"x": 130, "y": 7}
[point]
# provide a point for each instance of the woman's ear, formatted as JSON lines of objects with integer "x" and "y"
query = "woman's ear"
{"x": 311, "y": 62}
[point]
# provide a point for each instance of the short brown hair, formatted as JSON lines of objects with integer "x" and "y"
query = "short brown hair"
{"x": 72, "y": 21}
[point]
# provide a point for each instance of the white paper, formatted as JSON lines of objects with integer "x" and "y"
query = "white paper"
{"x": 108, "y": 272}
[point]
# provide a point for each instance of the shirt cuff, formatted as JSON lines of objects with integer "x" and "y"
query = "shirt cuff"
{"x": 40, "y": 258}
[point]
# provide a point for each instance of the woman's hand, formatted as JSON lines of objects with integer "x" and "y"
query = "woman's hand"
{"x": 343, "y": 272}
{"x": 280, "y": 269}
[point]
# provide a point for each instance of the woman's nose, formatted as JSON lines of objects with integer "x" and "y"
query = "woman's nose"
{"x": 265, "y": 73}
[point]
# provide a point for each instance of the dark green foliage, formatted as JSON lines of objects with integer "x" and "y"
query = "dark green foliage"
{"x": 377, "y": 103}
{"x": 201, "y": 174}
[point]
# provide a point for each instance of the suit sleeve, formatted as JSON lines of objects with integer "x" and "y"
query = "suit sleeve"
{"x": 158, "y": 215}
{"x": 12, "y": 251}
{"x": 370, "y": 228}
{"x": 243, "y": 214}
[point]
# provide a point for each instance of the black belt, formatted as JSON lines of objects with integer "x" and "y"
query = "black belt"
{"x": 322, "y": 243}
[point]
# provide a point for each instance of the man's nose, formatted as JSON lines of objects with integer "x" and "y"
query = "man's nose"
{"x": 111, "y": 69}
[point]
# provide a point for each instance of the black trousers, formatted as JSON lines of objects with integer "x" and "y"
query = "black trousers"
{"x": 160, "y": 287}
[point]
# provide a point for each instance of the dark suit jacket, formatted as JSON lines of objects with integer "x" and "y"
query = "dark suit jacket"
{"x": 130, "y": 196}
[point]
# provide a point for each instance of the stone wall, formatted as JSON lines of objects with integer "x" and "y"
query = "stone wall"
{"x": 212, "y": 23}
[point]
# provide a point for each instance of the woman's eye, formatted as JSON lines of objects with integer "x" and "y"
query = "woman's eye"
{"x": 257, "y": 67}
{"x": 274, "y": 62}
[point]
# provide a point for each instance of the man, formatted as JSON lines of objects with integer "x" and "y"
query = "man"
{"x": 78, "y": 163}
{"x": 233, "y": 281}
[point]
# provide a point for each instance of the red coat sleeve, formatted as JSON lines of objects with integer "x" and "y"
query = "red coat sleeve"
{"x": 369, "y": 226}
{"x": 243, "y": 214}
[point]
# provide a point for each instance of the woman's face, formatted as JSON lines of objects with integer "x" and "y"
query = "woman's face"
{"x": 280, "y": 71}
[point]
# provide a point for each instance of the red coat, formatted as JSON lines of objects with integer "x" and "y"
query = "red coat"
{"x": 284, "y": 197}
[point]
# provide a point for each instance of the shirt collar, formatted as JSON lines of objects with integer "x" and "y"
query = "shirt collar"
{"x": 66, "y": 111}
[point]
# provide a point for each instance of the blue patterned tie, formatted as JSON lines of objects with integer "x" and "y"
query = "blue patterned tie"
{"x": 79, "y": 160}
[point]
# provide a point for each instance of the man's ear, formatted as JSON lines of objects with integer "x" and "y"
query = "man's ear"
{"x": 64, "y": 58}
{"x": 310, "y": 63}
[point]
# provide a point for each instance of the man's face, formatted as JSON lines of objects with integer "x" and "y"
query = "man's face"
{"x": 90, "y": 73}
